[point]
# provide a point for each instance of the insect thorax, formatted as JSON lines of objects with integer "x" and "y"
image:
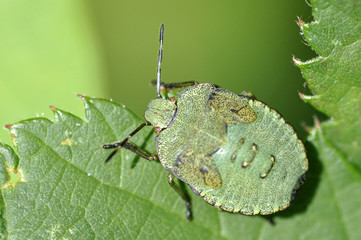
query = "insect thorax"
{"x": 160, "y": 112}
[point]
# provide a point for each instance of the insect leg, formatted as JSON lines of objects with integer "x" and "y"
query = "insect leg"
{"x": 130, "y": 146}
{"x": 170, "y": 86}
{"x": 181, "y": 193}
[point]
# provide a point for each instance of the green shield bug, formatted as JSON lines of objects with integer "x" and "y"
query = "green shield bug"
{"x": 235, "y": 152}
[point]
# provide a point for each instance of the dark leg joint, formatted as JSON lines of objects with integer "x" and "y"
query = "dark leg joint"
{"x": 130, "y": 146}
{"x": 107, "y": 146}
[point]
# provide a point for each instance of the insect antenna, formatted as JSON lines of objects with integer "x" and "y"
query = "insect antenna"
{"x": 160, "y": 55}
{"x": 126, "y": 143}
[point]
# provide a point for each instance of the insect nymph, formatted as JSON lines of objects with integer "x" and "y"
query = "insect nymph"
{"x": 235, "y": 152}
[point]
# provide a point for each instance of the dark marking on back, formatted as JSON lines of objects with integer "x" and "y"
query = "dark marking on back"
{"x": 237, "y": 111}
{"x": 254, "y": 149}
{"x": 212, "y": 96}
{"x": 203, "y": 170}
{"x": 199, "y": 169}
{"x": 178, "y": 161}
{"x": 273, "y": 161}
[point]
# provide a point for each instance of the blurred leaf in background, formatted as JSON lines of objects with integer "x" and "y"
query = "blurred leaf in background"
{"x": 49, "y": 52}
{"x": 239, "y": 45}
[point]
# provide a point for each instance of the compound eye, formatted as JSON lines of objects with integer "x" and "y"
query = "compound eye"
{"x": 172, "y": 100}
{"x": 157, "y": 129}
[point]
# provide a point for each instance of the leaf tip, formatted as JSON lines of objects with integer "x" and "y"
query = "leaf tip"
{"x": 302, "y": 96}
{"x": 52, "y": 108}
{"x": 307, "y": 98}
{"x": 296, "y": 61}
{"x": 81, "y": 96}
{"x": 300, "y": 22}
{"x": 317, "y": 123}
{"x": 9, "y": 127}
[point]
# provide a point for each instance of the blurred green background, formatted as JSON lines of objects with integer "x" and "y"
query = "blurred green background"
{"x": 52, "y": 50}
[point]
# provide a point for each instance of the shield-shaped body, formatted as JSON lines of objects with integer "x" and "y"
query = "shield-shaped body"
{"x": 235, "y": 152}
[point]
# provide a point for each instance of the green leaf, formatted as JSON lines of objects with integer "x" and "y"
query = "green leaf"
{"x": 335, "y": 76}
{"x": 66, "y": 190}
{"x": 55, "y": 184}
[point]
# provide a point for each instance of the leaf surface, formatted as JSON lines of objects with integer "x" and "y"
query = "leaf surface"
{"x": 55, "y": 184}
{"x": 66, "y": 190}
{"x": 335, "y": 76}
